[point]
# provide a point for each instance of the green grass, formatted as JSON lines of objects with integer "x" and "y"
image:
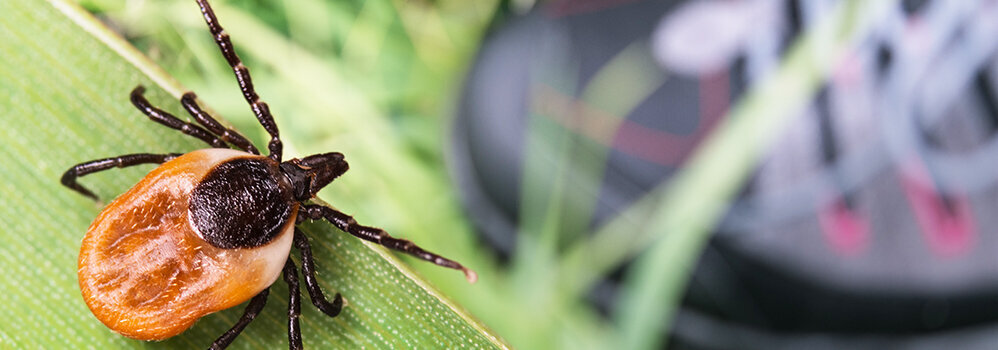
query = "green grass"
{"x": 376, "y": 80}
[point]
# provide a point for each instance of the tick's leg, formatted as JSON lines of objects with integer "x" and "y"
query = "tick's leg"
{"x": 255, "y": 305}
{"x": 348, "y": 224}
{"x": 260, "y": 108}
{"x": 93, "y": 166}
{"x": 294, "y": 305}
{"x": 162, "y": 117}
{"x": 311, "y": 284}
{"x": 189, "y": 100}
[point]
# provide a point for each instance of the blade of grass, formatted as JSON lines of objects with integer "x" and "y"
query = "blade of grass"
{"x": 65, "y": 79}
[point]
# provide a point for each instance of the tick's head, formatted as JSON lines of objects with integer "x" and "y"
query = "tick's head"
{"x": 310, "y": 174}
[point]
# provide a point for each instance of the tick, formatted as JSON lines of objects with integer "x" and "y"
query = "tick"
{"x": 210, "y": 229}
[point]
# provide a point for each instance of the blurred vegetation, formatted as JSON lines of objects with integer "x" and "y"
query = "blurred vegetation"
{"x": 378, "y": 81}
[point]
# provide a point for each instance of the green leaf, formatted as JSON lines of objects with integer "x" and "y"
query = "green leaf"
{"x": 64, "y": 79}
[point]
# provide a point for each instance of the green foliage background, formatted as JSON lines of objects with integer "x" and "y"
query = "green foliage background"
{"x": 376, "y": 80}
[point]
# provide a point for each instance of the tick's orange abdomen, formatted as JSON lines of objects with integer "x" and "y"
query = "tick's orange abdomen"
{"x": 146, "y": 273}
